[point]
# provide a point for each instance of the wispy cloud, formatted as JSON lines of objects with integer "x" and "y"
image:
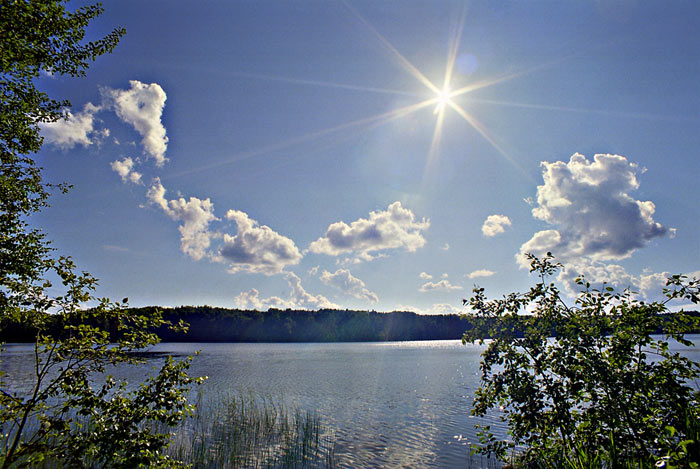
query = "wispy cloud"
{"x": 437, "y": 308}
{"x": 442, "y": 285}
{"x": 481, "y": 273}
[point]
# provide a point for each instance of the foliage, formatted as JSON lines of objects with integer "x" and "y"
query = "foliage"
{"x": 71, "y": 415}
{"x": 587, "y": 385}
{"x": 37, "y": 36}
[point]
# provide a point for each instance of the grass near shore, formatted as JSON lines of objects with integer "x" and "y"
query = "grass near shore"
{"x": 252, "y": 432}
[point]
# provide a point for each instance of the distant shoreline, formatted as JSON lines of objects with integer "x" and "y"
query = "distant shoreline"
{"x": 222, "y": 325}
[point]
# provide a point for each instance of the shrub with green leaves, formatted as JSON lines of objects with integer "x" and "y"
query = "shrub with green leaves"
{"x": 591, "y": 384}
{"x": 71, "y": 416}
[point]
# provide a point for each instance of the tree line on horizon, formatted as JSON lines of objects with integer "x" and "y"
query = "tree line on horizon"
{"x": 215, "y": 324}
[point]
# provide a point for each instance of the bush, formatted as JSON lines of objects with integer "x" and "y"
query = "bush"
{"x": 588, "y": 384}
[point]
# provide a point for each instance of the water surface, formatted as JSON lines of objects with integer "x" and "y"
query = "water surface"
{"x": 393, "y": 404}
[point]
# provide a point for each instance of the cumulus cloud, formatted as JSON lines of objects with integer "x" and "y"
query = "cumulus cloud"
{"x": 595, "y": 221}
{"x": 481, "y": 273}
{"x": 298, "y": 298}
{"x": 255, "y": 248}
{"x": 73, "y": 129}
{"x": 495, "y": 224}
{"x": 195, "y": 215}
{"x": 125, "y": 169}
{"x": 446, "y": 247}
{"x": 443, "y": 285}
{"x": 393, "y": 228}
{"x": 251, "y": 300}
{"x": 425, "y": 276}
{"x": 305, "y": 300}
{"x": 343, "y": 280}
{"x": 593, "y": 215}
{"x": 141, "y": 106}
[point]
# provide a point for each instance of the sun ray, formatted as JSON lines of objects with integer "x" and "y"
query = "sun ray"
{"x": 434, "y": 150}
{"x": 298, "y": 81}
{"x": 397, "y": 55}
{"x": 453, "y": 49}
{"x": 485, "y": 83}
{"x": 442, "y": 98}
{"x": 484, "y": 133}
{"x": 371, "y": 122}
{"x": 547, "y": 107}
{"x": 437, "y": 135}
{"x": 509, "y": 76}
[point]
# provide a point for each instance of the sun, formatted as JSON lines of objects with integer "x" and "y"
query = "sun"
{"x": 442, "y": 99}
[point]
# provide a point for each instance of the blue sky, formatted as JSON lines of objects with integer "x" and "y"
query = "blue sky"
{"x": 309, "y": 154}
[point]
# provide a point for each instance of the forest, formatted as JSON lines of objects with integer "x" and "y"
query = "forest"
{"x": 213, "y": 324}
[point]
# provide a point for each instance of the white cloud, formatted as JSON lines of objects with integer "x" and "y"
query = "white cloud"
{"x": 437, "y": 308}
{"x": 393, "y": 228}
{"x": 304, "y": 300}
{"x": 444, "y": 308}
{"x": 593, "y": 214}
{"x": 343, "y": 280}
{"x": 445, "y": 275}
{"x": 425, "y": 276}
{"x": 446, "y": 247}
{"x": 125, "y": 169}
{"x": 298, "y": 298}
{"x": 443, "y": 285}
{"x": 360, "y": 258}
{"x": 251, "y": 300}
{"x": 481, "y": 273}
{"x": 648, "y": 285}
{"x": 257, "y": 249}
{"x": 495, "y": 224}
{"x": 195, "y": 215}
{"x": 112, "y": 247}
{"x": 142, "y": 107}
{"x": 73, "y": 129}
{"x": 314, "y": 270}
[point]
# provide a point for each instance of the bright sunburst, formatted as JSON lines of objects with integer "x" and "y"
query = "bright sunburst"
{"x": 442, "y": 98}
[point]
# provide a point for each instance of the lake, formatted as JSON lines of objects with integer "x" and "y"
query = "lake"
{"x": 393, "y": 404}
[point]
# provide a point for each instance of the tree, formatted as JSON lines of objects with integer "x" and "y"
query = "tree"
{"x": 73, "y": 415}
{"x": 588, "y": 384}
